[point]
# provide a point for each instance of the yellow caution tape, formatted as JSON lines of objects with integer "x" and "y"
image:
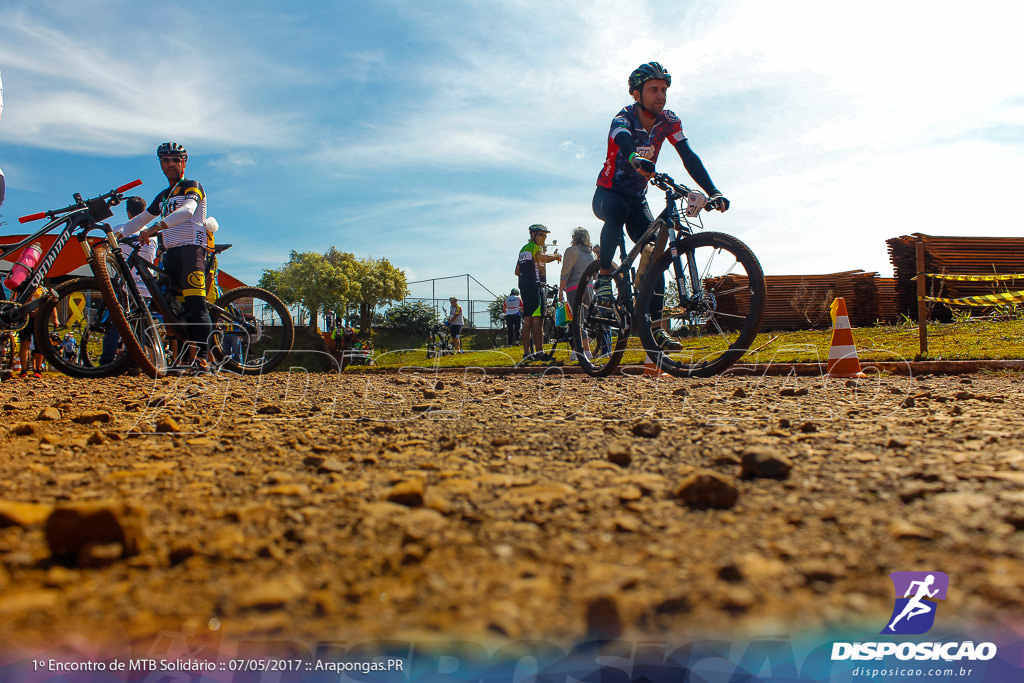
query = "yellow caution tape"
{"x": 972, "y": 278}
{"x": 982, "y": 299}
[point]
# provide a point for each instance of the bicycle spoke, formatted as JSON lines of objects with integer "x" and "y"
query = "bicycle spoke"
{"x": 715, "y": 317}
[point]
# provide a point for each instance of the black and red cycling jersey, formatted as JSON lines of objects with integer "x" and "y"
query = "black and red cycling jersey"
{"x": 617, "y": 173}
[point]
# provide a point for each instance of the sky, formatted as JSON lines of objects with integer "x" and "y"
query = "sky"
{"x": 434, "y": 133}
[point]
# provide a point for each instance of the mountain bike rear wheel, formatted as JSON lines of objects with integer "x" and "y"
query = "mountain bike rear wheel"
{"x": 7, "y": 352}
{"x": 81, "y": 311}
{"x": 713, "y": 307}
{"x": 599, "y": 335}
{"x": 129, "y": 311}
{"x": 253, "y": 331}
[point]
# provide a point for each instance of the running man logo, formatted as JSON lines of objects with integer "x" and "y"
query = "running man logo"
{"x": 914, "y": 612}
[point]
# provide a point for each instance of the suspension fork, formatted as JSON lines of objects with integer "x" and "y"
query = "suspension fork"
{"x": 628, "y": 275}
{"x": 682, "y": 274}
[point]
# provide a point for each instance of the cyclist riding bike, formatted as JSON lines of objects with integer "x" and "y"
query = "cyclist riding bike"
{"x": 182, "y": 210}
{"x": 634, "y": 141}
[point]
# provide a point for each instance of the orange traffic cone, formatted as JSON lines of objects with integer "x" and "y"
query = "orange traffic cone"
{"x": 842, "y": 355}
{"x": 651, "y": 368}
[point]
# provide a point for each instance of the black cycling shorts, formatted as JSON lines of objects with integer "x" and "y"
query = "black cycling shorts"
{"x": 186, "y": 267}
{"x": 533, "y": 301}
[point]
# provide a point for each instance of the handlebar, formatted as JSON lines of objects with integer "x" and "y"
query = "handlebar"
{"x": 664, "y": 182}
{"x": 112, "y": 198}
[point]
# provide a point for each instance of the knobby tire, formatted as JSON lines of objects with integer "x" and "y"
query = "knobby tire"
{"x": 129, "y": 312}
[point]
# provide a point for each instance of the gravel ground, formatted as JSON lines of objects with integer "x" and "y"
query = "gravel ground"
{"x": 456, "y": 505}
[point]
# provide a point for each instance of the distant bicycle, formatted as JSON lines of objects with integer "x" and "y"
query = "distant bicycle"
{"x": 439, "y": 341}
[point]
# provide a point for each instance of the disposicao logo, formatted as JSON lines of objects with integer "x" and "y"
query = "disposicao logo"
{"x": 914, "y": 612}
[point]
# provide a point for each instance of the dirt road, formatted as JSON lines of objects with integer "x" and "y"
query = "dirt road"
{"x": 460, "y": 505}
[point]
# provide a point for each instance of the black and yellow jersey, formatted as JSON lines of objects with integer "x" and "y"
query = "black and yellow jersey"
{"x": 190, "y": 231}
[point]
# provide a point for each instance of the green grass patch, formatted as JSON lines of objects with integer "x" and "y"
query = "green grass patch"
{"x": 966, "y": 340}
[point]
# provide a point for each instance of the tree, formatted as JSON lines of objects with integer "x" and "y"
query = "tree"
{"x": 379, "y": 283}
{"x": 335, "y": 279}
{"x": 310, "y": 279}
{"x": 496, "y": 308}
{"x": 410, "y": 317}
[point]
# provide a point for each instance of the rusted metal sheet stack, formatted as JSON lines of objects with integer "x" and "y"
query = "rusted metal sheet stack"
{"x": 888, "y": 310}
{"x": 796, "y": 302}
{"x": 953, "y": 255}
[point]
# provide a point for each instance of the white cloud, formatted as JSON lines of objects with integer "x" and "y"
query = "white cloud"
{"x": 112, "y": 93}
{"x": 831, "y": 127}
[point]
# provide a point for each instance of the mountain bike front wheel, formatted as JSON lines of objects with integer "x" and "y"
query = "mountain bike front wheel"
{"x": 599, "y": 334}
{"x": 709, "y": 300}
{"x": 80, "y": 311}
{"x": 252, "y": 329}
{"x": 129, "y": 311}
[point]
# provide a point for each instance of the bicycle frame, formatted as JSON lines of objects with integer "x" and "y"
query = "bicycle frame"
{"x": 150, "y": 274}
{"x": 83, "y": 215}
{"x": 658, "y": 234}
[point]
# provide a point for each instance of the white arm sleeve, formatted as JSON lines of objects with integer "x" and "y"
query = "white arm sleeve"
{"x": 182, "y": 213}
{"x": 135, "y": 224}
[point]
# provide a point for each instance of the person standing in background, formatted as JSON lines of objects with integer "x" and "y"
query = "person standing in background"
{"x": 530, "y": 271}
{"x": 455, "y": 323}
{"x": 513, "y": 310}
{"x": 577, "y": 258}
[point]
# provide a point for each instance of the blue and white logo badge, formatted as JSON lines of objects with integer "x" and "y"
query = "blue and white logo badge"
{"x": 914, "y": 612}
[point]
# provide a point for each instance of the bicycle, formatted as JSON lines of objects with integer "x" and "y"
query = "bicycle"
{"x": 253, "y": 331}
{"x": 126, "y": 307}
{"x": 439, "y": 341}
{"x": 712, "y": 308}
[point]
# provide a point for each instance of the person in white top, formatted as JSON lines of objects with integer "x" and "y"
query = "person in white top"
{"x": 513, "y": 309}
{"x": 147, "y": 248}
{"x": 455, "y": 322}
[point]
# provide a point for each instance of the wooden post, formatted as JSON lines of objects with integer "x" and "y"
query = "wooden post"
{"x": 922, "y": 308}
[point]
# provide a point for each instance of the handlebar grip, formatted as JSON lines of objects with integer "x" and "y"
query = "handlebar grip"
{"x": 125, "y": 188}
{"x": 32, "y": 217}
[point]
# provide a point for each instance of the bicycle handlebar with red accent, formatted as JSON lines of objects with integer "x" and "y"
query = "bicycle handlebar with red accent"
{"x": 79, "y": 204}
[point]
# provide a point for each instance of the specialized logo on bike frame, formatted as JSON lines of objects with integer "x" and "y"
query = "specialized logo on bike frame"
{"x": 914, "y": 610}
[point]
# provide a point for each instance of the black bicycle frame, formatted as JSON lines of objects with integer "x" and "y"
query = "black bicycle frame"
{"x": 146, "y": 271}
{"x": 74, "y": 221}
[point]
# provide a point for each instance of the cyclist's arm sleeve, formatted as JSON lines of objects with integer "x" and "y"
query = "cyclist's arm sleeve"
{"x": 695, "y": 167}
{"x": 624, "y": 141}
{"x": 182, "y": 213}
{"x": 136, "y": 224}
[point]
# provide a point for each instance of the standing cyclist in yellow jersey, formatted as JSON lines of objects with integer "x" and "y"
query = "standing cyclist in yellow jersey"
{"x": 530, "y": 269}
{"x": 182, "y": 210}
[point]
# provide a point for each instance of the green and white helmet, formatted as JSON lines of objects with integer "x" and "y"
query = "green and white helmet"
{"x": 648, "y": 72}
